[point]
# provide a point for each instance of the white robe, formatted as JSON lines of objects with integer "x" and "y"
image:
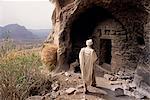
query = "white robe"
{"x": 87, "y": 57}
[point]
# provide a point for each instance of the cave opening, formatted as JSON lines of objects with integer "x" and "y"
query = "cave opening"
{"x": 83, "y": 28}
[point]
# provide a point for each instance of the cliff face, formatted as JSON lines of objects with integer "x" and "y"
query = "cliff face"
{"x": 120, "y": 30}
{"x": 123, "y": 25}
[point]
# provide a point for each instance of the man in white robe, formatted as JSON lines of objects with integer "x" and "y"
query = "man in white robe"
{"x": 88, "y": 57}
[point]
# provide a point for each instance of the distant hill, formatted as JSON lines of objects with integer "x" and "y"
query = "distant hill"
{"x": 41, "y": 33}
{"x": 16, "y": 32}
{"x": 1, "y": 28}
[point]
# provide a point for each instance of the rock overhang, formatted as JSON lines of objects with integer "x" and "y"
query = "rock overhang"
{"x": 130, "y": 14}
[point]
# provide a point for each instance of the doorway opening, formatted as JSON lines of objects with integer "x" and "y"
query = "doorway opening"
{"x": 83, "y": 28}
{"x": 105, "y": 51}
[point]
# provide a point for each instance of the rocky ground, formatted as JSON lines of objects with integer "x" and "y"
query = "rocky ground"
{"x": 69, "y": 86}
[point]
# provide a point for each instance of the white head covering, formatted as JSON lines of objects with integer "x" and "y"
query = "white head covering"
{"x": 89, "y": 42}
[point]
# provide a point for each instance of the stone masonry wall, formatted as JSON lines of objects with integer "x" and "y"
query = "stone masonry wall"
{"x": 113, "y": 30}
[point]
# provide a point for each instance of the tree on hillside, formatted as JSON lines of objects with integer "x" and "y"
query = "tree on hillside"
{"x": 7, "y": 44}
{"x": 6, "y": 35}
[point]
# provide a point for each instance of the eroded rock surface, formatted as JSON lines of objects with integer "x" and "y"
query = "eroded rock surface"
{"x": 121, "y": 25}
{"x": 120, "y": 30}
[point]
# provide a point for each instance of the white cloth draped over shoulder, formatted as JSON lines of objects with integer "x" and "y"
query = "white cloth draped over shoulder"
{"x": 87, "y": 57}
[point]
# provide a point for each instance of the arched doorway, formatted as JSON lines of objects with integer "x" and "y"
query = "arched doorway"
{"x": 84, "y": 26}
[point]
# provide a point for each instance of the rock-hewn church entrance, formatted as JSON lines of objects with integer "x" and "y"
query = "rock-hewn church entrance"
{"x": 83, "y": 28}
{"x": 119, "y": 29}
{"x": 122, "y": 23}
{"x": 96, "y": 23}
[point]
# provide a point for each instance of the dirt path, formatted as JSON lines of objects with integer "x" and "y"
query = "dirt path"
{"x": 103, "y": 91}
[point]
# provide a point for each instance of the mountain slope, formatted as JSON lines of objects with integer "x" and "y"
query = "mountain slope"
{"x": 16, "y": 32}
{"x": 41, "y": 33}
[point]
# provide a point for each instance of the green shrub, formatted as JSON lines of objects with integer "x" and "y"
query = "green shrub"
{"x": 21, "y": 77}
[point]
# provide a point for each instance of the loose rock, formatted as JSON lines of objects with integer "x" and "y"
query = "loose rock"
{"x": 66, "y": 79}
{"x": 55, "y": 87}
{"x": 54, "y": 95}
{"x": 138, "y": 95}
{"x": 35, "y": 98}
{"x": 80, "y": 86}
{"x": 67, "y": 74}
{"x": 119, "y": 92}
{"x": 70, "y": 91}
{"x": 47, "y": 96}
{"x": 108, "y": 77}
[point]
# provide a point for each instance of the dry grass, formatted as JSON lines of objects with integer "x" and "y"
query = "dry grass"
{"x": 49, "y": 56}
{"x": 20, "y": 75}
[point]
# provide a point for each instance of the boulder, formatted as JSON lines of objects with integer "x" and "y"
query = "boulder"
{"x": 70, "y": 91}
{"x": 74, "y": 65}
{"x": 55, "y": 87}
{"x": 108, "y": 76}
{"x": 67, "y": 74}
{"x": 54, "y": 95}
{"x": 80, "y": 86}
{"x": 119, "y": 92}
{"x": 142, "y": 79}
{"x": 137, "y": 95}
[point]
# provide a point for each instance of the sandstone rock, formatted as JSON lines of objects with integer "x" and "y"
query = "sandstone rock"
{"x": 126, "y": 86}
{"x": 74, "y": 80}
{"x": 144, "y": 90}
{"x": 128, "y": 93}
{"x": 113, "y": 78}
{"x": 47, "y": 96}
{"x": 67, "y": 74}
{"x": 108, "y": 77}
{"x": 100, "y": 99}
{"x": 66, "y": 79}
{"x": 73, "y": 65}
{"x": 84, "y": 99}
{"x": 69, "y": 25}
{"x": 119, "y": 92}
{"x": 142, "y": 79}
{"x": 61, "y": 92}
{"x": 54, "y": 94}
{"x": 55, "y": 87}
{"x": 138, "y": 95}
{"x": 128, "y": 81}
{"x": 70, "y": 91}
{"x": 116, "y": 82}
{"x": 132, "y": 85}
{"x": 124, "y": 53}
{"x": 35, "y": 98}
{"x": 80, "y": 86}
{"x": 126, "y": 77}
{"x": 120, "y": 73}
{"x": 56, "y": 82}
{"x": 78, "y": 91}
{"x": 114, "y": 87}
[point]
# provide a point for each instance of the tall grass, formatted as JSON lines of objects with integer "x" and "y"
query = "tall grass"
{"x": 20, "y": 75}
{"x": 6, "y": 46}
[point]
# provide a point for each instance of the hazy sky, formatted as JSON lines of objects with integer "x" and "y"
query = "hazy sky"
{"x": 33, "y": 14}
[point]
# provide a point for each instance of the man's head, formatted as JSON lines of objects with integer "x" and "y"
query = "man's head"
{"x": 89, "y": 42}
